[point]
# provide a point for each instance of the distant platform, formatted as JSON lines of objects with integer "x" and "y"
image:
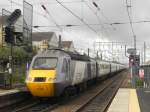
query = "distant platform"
{"x": 13, "y": 92}
{"x": 12, "y": 96}
{"x": 16, "y": 89}
{"x": 126, "y": 100}
{"x": 8, "y": 92}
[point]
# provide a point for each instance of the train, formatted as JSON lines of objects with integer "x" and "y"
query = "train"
{"x": 55, "y": 71}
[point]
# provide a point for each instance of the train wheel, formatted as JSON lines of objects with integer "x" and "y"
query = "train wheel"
{"x": 84, "y": 86}
{"x": 65, "y": 95}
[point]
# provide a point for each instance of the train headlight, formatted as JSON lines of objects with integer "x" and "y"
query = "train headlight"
{"x": 52, "y": 79}
{"x": 29, "y": 79}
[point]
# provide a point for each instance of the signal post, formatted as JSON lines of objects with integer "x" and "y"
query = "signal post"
{"x": 134, "y": 64}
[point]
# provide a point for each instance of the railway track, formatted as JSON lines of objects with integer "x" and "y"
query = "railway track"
{"x": 32, "y": 105}
{"x": 102, "y": 101}
{"x": 36, "y": 107}
{"x": 19, "y": 105}
{"x": 95, "y": 99}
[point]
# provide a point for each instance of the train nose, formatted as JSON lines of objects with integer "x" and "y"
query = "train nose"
{"x": 39, "y": 83}
{"x": 41, "y": 89}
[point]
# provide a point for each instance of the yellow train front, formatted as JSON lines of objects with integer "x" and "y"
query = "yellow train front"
{"x": 45, "y": 78}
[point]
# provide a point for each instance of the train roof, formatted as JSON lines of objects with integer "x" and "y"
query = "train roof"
{"x": 73, "y": 55}
{"x": 112, "y": 62}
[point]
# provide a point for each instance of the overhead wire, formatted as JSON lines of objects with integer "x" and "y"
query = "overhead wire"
{"x": 82, "y": 9}
{"x": 51, "y": 17}
{"x": 82, "y": 12}
{"x": 77, "y": 17}
{"x": 64, "y": 2}
{"x": 98, "y": 18}
{"x": 133, "y": 22}
{"x": 53, "y": 3}
{"x": 13, "y": 2}
{"x": 130, "y": 20}
{"x": 74, "y": 25}
{"x": 20, "y": 5}
{"x": 100, "y": 10}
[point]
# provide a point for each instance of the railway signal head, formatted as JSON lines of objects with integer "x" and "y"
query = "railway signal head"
{"x": 9, "y": 34}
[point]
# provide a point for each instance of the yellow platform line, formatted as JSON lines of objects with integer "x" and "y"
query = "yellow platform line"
{"x": 133, "y": 101}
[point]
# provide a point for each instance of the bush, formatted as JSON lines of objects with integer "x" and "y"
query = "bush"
{"x": 4, "y": 53}
{"x": 139, "y": 82}
{"x": 20, "y": 57}
{"x": 18, "y": 52}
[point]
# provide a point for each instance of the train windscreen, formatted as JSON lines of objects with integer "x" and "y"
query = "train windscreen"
{"x": 45, "y": 63}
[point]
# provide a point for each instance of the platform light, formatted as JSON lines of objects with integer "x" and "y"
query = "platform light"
{"x": 52, "y": 79}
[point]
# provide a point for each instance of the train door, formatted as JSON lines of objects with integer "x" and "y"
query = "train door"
{"x": 69, "y": 69}
{"x": 110, "y": 68}
{"x": 66, "y": 69}
{"x": 88, "y": 70}
{"x": 97, "y": 70}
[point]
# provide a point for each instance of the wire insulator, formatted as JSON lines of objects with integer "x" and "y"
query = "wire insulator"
{"x": 95, "y": 4}
{"x": 43, "y": 7}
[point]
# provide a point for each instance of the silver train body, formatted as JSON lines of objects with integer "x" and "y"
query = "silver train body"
{"x": 70, "y": 70}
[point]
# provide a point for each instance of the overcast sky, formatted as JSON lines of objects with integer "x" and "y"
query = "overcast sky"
{"x": 111, "y": 11}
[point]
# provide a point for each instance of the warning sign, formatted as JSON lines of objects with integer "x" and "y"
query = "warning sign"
{"x": 141, "y": 73}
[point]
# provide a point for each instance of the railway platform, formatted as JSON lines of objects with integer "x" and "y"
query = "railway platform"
{"x": 130, "y": 100}
{"x": 11, "y": 96}
{"x": 126, "y": 100}
{"x": 16, "y": 89}
{"x": 4, "y": 92}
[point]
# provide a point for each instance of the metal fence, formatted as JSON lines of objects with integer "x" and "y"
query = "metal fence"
{"x": 27, "y": 23}
{"x": 19, "y": 71}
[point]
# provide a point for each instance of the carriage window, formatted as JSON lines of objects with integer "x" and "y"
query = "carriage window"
{"x": 45, "y": 63}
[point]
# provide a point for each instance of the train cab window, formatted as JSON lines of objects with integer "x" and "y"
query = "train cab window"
{"x": 45, "y": 63}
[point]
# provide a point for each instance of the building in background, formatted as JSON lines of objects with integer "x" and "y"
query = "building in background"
{"x": 1, "y": 36}
{"x": 2, "y": 22}
{"x": 44, "y": 40}
{"x": 68, "y": 46}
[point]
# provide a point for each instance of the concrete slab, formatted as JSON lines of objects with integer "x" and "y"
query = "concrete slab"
{"x": 7, "y": 92}
{"x": 125, "y": 101}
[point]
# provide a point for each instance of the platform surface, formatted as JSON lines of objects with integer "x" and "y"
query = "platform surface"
{"x": 126, "y": 100}
{"x": 144, "y": 99}
{"x": 7, "y": 92}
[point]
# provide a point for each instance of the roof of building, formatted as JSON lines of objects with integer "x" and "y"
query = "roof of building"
{"x": 66, "y": 44}
{"x": 39, "y": 36}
